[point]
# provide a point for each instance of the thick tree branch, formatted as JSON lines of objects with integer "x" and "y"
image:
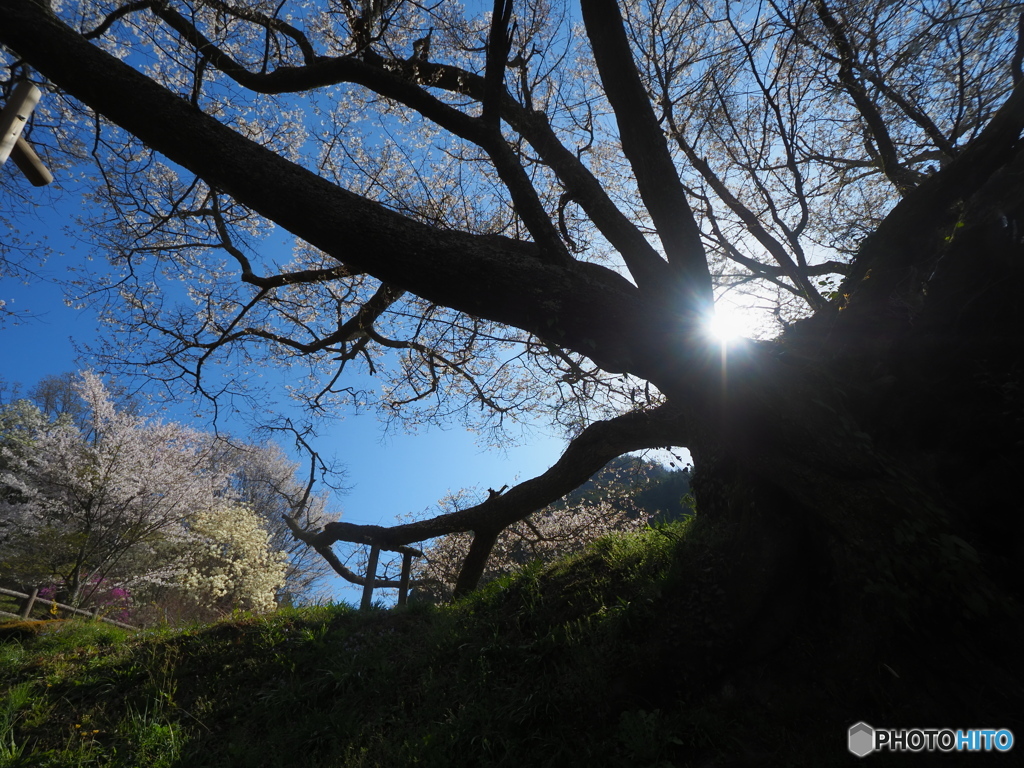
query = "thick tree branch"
{"x": 494, "y": 277}
{"x": 1018, "y": 53}
{"x": 586, "y": 454}
{"x": 328, "y": 554}
{"x": 369, "y": 313}
{"x": 580, "y": 184}
{"x": 371, "y": 73}
{"x": 475, "y": 563}
{"x": 399, "y": 79}
{"x": 497, "y": 60}
{"x": 946, "y": 146}
{"x": 644, "y": 144}
{"x": 896, "y": 243}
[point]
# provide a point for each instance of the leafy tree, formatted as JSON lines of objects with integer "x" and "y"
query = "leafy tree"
{"x": 259, "y": 476}
{"x": 102, "y": 507}
{"x": 519, "y": 214}
{"x": 80, "y": 510}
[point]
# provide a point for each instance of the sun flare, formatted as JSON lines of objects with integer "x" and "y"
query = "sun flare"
{"x": 736, "y": 316}
{"x": 726, "y": 325}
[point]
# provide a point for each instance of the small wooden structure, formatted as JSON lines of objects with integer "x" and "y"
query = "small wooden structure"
{"x": 408, "y": 553}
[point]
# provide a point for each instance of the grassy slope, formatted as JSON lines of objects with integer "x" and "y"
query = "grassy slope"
{"x": 588, "y": 662}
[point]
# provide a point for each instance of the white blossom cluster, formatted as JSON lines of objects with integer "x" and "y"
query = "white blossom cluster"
{"x": 231, "y": 564}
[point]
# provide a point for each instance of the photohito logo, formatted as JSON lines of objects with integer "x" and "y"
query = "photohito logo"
{"x": 863, "y": 739}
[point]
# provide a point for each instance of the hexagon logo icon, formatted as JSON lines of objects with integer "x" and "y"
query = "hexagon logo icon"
{"x": 861, "y": 739}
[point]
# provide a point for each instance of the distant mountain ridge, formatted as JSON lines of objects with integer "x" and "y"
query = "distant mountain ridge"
{"x": 658, "y": 490}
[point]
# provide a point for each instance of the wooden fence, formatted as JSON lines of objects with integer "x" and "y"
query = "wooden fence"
{"x": 29, "y": 601}
{"x": 369, "y": 583}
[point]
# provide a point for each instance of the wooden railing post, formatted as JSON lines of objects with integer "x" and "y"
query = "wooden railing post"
{"x": 403, "y": 585}
{"x": 30, "y": 601}
{"x": 371, "y": 576}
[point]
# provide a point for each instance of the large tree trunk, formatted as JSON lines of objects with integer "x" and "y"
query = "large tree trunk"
{"x": 859, "y": 480}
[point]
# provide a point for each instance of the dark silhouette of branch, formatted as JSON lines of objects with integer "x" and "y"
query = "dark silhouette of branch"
{"x": 903, "y": 178}
{"x": 644, "y": 145}
{"x": 595, "y": 446}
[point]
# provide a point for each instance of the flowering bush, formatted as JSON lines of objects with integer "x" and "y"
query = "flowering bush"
{"x": 266, "y": 481}
{"x": 231, "y": 563}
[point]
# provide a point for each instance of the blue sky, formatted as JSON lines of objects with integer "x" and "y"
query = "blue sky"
{"x": 389, "y": 473}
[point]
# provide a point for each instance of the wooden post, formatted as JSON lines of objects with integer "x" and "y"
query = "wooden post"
{"x": 371, "y": 576}
{"x": 13, "y": 119}
{"x": 15, "y": 115}
{"x": 29, "y": 164}
{"x": 29, "y": 602}
{"x": 403, "y": 585}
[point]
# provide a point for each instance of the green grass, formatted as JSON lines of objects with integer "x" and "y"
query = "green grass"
{"x": 590, "y": 661}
